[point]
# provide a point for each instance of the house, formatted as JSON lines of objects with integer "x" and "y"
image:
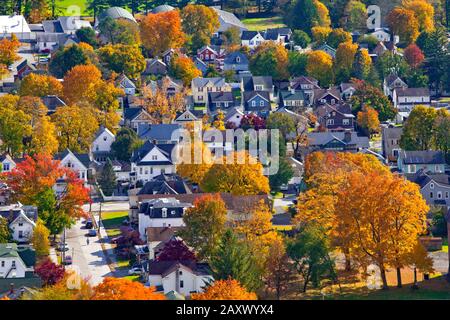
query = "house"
{"x": 154, "y": 67}
{"x": 305, "y": 84}
{"x": 201, "y": 87}
{"x": 122, "y": 170}
{"x": 186, "y": 117}
{"x": 327, "y": 49}
{"x": 258, "y": 83}
{"x": 233, "y": 118}
{"x": 52, "y": 103}
{"x": 151, "y": 160}
{"x": 65, "y": 24}
{"x": 157, "y": 237}
{"x": 159, "y": 133}
{"x": 347, "y": 90}
{"x": 329, "y": 96}
{"x": 336, "y": 117}
{"x": 391, "y": 143}
{"x": 77, "y": 162}
{"x": 14, "y": 24}
{"x": 5, "y": 194}
{"x": 220, "y": 101}
{"x": 51, "y": 41}
{"x": 257, "y": 102}
{"x": 6, "y": 163}
{"x": 279, "y": 35}
{"x": 16, "y": 261}
{"x": 434, "y": 187}
{"x": 126, "y": 84}
{"x": 236, "y": 61}
{"x": 165, "y": 184}
{"x": 21, "y": 220}
{"x": 292, "y": 99}
{"x": 209, "y": 54}
{"x": 101, "y": 146}
{"x": 382, "y": 34}
{"x": 252, "y": 39}
{"x": 184, "y": 277}
{"x": 167, "y": 55}
{"x": 392, "y": 82}
{"x": 116, "y": 13}
{"x": 406, "y": 98}
{"x": 133, "y": 117}
{"x": 336, "y": 141}
{"x": 162, "y": 212}
{"x": 169, "y": 85}
{"x": 228, "y": 20}
{"x": 201, "y": 65}
{"x": 413, "y": 161}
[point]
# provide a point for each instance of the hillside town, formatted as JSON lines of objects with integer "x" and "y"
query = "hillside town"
{"x": 259, "y": 150}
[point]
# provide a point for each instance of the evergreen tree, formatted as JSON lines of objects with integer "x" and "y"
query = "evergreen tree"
{"x": 124, "y": 145}
{"x": 283, "y": 175}
{"x": 5, "y": 233}
{"x": 107, "y": 179}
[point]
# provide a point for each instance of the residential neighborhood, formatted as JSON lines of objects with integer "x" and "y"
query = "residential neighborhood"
{"x": 258, "y": 150}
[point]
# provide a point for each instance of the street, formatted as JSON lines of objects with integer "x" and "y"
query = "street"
{"x": 108, "y": 206}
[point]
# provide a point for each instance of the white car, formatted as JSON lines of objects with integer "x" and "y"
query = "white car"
{"x": 135, "y": 270}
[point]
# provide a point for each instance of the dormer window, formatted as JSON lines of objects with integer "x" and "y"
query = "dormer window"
{"x": 154, "y": 157}
{"x": 431, "y": 185}
{"x": 238, "y": 59}
{"x": 105, "y": 138}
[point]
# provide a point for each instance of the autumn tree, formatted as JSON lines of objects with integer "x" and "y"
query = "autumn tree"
{"x": 355, "y": 16}
{"x": 183, "y": 68}
{"x": 362, "y": 65}
{"x": 39, "y": 239}
{"x": 320, "y": 34}
{"x": 424, "y": 13}
{"x": 420, "y": 261}
{"x": 281, "y": 121}
{"x": 370, "y": 96}
{"x": 8, "y": 51}
{"x": 228, "y": 289}
{"x": 5, "y": 232}
{"x": 403, "y": 23}
{"x": 76, "y": 127}
{"x": 413, "y": 55}
{"x": 320, "y": 66}
{"x": 65, "y": 58}
{"x": 239, "y": 174}
{"x": 234, "y": 259}
{"x": 120, "y": 58}
{"x": 49, "y": 272}
{"x": 270, "y": 58}
{"x": 43, "y": 137}
{"x": 199, "y": 22}
{"x": 278, "y": 271}
{"x": 175, "y": 250}
{"x": 190, "y": 168}
{"x": 38, "y": 85}
{"x": 252, "y": 121}
{"x": 37, "y": 10}
{"x": 119, "y": 31}
{"x": 337, "y": 36}
{"x": 205, "y": 224}
{"x": 124, "y": 289}
{"x": 305, "y": 14}
{"x": 367, "y": 119}
{"x": 162, "y": 31}
{"x": 343, "y": 63}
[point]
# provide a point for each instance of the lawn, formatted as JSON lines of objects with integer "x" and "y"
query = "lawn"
{"x": 112, "y": 222}
{"x": 62, "y": 6}
{"x": 257, "y": 24}
{"x": 132, "y": 278}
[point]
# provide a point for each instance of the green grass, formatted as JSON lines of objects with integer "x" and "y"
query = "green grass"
{"x": 132, "y": 278}
{"x": 112, "y": 222}
{"x": 258, "y": 24}
{"x": 123, "y": 263}
{"x": 62, "y": 6}
{"x": 277, "y": 194}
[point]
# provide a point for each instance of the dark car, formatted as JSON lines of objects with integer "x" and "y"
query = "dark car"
{"x": 89, "y": 224}
{"x": 62, "y": 247}
{"x": 67, "y": 260}
{"x": 92, "y": 233}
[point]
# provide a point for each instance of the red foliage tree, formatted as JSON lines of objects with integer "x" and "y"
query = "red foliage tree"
{"x": 49, "y": 272}
{"x": 413, "y": 55}
{"x": 252, "y": 121}
{"x": 175, "y": 250}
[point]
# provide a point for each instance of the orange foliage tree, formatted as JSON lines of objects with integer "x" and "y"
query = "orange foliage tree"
{"x": 162, "y": 31}
{"x": 225, "y": 290}
{"x": 183, "y": 68}
{"x": 404, "y": 23}
{"x": 38, "y": 85}
{"x": 124, "y": 289}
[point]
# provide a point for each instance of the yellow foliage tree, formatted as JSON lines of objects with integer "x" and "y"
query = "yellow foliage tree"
{"x": 39, "y": 239}
{"x": 38, "y": 85}
{"x": 368, "y": 120}
{"x": 320, "y": 66}
{"x": 225, "y": 290}
{"x": 424, "y": 13}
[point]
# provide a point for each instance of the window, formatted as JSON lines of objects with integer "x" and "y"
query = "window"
{"x": 140, "y": 170}
{"x": 431, "y": 185}
{"x": 258, "y": 88}
{"x": 20, "y": 224}
{"x": 209, "y": 89}
{"x": 253, "y": 103}
{"x": 172, "y": 212}
{"x": 346, "y": 122}
{"x": 154, "y": 157}
{"x": 431, "y": 195}
{"x": 164, "y": 212}
{"x": 20, "y": 234}
{"x": 180, "y": 273}
{"x": 261, "y": 103}
{"x": 446, "y": 194}
{"x": 3, "y": 264}
{"x": 200, "y": 89}
{"x": 238, "y": 59}
{"x": 200, "y": 98}
{"x": 13, "y": 264}
{"x": 6, "y": 167}
{"x": 181, "y": 284}
{"x": 105, "y": 138}
{"x": 330, "y": 121}
{"x": 439, "y": 195}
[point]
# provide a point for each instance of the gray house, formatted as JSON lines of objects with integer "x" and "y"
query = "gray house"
{"x": 257, "y": 101}
{"x": 391, "y": 143}
{"x": 236, "y": 61}
{"x": 435, "y": 188}
{"x": 337, "y": 141}
{"x": 413, "y": 161}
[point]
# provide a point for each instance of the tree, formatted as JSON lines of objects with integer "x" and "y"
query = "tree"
{"x": 120, "y": 58}
{"x": 301, "y": 38}
{"x": 76, "y": 127}
{"x": 305, "y": 14}
{"x": 420, "y": 260}
{"x": 199, "y": 23}
{"x": 43, "y": 137}
{"x": 36, "y": 11}
{"x": 49, "y": 272}
{"x": 225, "y": 290}
{"x": 413, "y": 55}
{"x": 234, "y": 259}
{"x": 278, "y": 273}
{"x": 119, "y": 31}
{"x": 38, "y": 85}
{"x": 368, "y": 120}
{"x": 107, "y": 179}
{"x": 355, "y": 16}
{"x": 87, "y": 35}
{"x": 232, "y": 36}
{"x": 372, "y": 97}
{"x": 441, "y": 132}
{"x": 187, "y": 167}
{"x": 183, "y": 68}
{"x": 418, "y": 130}
{"x": 424, "y": 13}
{"x": 8, "y": 50}
{"x": 310, "y": 252}
{"x": 320, "y": 66}
{"x": 243, "y": 176}
{"x": 125, "y": 143}
{"x": 205, "y": 224}
{"x": 403, "y": 23}
{"x": 282, "y": 122}
{"x": 320, "y": 34}
{"x": 175, "y": 250}
{"x": 389, "y": 63}
{"x": 81, "y": 83}
{"x": 39, "y": 239}
{"x": 5, "y": 233}
{"x": 162, "y": 31}
{"x": 297, "y": 62}
{"x": 65, "y": 58}
{"x": 124, "y": 289}
{"x": 270, "y": 58}
{"x": 253, "y": 121}
{"x": 284, "y": 174}
{"x": 343, "y": 63}
{"x": 337, "y": 36}
{"x": 362, "y": 64}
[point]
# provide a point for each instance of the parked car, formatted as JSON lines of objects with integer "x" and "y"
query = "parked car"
{"x": 67, "y": 260}
{"x": 135, "y": 270}
{"x": 89, "y": 224}
{"x": 92, "y": 233}
{"x": 62, "y": 247}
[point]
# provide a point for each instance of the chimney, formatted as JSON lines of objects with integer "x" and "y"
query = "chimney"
{"x": 347, "y": 136}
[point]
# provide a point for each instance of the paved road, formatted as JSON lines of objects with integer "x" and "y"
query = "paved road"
{"x": 109, "y": 206}
{"x": 279, "y": 205}
{"x": 89, "y": 259}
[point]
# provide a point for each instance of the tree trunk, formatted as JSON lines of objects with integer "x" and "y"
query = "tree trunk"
{"x": 383, "y": 278}
{"x": 399, "y": 278}
{"x": 348, "y": 263}
{"x": 415, "y": 279}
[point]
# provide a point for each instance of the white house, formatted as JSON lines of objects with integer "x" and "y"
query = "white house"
{"x": 77, "y": 162}
{"x": 151, "y": 160}
{"x": 184, "y": 277}
{"x": 234, "y": 116}
{"x": 382, "y": 34}
{"x": 101, "y": 146}
{"x": 6, "y": 163}
{"x": 14, "y": 24}
{"x": 15, "y": 261}
{"x": 405, "y": 99}
{"x": 126, "y": 84}
{"x": 391, "y": 82}
{"x": 22, "y": 220}
{"x": 161, "y": 212}
{"x": 252, "y": 39}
